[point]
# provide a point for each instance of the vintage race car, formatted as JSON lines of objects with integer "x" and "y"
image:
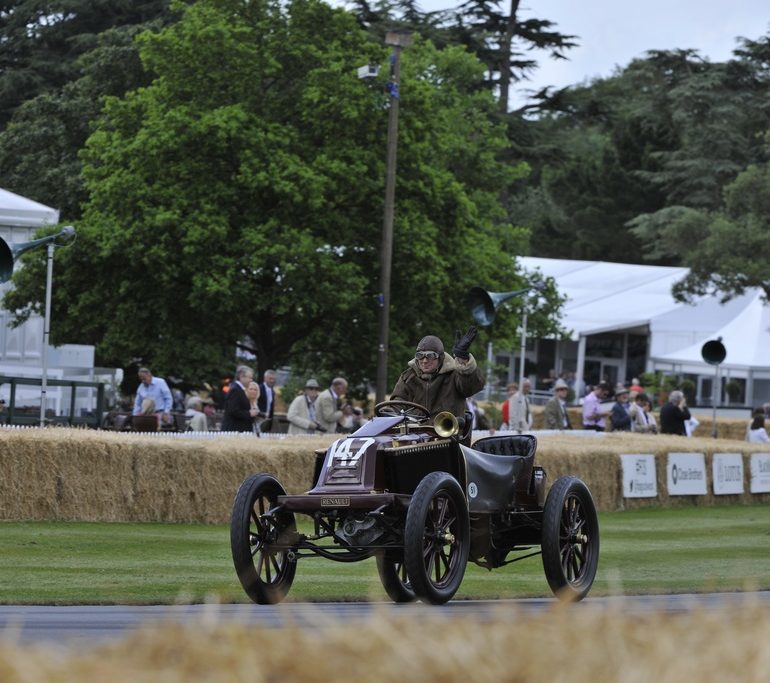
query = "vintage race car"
{"x": 412, "y": 492}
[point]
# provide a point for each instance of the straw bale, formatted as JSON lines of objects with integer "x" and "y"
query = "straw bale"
{"x": 58, "y": 474}
{"x": 579, "y": 644}
{"x": 73, "y": 474}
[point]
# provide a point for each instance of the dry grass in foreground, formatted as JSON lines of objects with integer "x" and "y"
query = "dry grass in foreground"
{"x": 572, "y": 643}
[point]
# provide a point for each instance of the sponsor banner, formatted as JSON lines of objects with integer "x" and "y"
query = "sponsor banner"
{"x": 760, "y": 473}
{"x": 686, "y": 474}
{"x": 639, "y": 480}
{"x": 727, "y": 473}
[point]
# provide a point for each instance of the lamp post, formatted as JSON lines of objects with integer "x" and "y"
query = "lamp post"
{"x": 397, "y": 40}
{"x": 68, "y": 233}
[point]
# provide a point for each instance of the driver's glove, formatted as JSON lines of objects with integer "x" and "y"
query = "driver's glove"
{"x": 463, "y": 343}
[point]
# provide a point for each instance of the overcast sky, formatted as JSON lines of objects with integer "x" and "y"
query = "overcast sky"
{"x": 613, "y": 32}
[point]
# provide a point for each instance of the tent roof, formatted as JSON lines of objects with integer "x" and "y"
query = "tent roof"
{"x": 16, "y": 210}
{"x": 746, "y": 338}
{"x": 603, "y": 297}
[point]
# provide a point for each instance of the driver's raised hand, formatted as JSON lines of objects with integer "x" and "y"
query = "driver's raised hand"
{"x": 463, "y": 343}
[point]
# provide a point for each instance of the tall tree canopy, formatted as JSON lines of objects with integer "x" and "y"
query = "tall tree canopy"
{"x": 41, "y": 40}
{"x": 668, "y": 132}
{"x": 40, "y": 147}
{"x": 237, "y": 200}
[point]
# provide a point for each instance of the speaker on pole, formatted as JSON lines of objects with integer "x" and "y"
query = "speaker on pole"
{"x": 714, "y": 352}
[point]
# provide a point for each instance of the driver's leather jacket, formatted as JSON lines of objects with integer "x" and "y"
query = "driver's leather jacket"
{"x": 446, "y": 389}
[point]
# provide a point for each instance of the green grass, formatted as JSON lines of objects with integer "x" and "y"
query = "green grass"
{"x": 645, "y": 551}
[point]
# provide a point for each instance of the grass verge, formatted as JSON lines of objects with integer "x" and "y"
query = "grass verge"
{"x": 644, "y": 551}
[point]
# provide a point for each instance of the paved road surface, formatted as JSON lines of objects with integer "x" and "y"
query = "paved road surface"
{"x": 84, "y": 626}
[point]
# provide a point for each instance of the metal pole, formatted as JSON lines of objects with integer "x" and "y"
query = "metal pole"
{"x": 523, "y": 345}
{"x": 386, "y": 251}
{"x": 715, "y": 394}
{"x": 46, "y": 332}
{"x": 488, "y": 388}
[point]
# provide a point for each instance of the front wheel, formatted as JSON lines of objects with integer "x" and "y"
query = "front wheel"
{"x": 570, "y": 540}
{"x": 260, "y": 542}
{"x": 436, "y": 538}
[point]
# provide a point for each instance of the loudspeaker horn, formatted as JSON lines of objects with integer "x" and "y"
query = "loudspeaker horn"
{"x": 483, "y": 304}
{"x": 10, "y": 252}
{"x": 714, "y": 351}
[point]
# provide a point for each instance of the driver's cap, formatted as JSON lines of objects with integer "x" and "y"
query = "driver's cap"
{"x": 431, "y": 343}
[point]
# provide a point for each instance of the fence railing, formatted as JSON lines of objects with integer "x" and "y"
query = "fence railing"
{"x": 30, "y": 415}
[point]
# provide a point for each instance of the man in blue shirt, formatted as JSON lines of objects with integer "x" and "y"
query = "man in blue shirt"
{"x": 156, "y": 389}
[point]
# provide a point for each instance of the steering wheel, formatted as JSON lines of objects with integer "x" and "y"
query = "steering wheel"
{"x": 413, "y": 411}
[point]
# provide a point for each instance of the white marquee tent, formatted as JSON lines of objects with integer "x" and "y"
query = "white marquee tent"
{"x": 746, "y": 338}
{"x": 17, "y": 211}
{"x": 616, "y": 297}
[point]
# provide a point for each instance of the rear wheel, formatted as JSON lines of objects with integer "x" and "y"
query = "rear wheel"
{"x": 436, "y": 538}
{"x": 260, "y": 542}
{"x": 570, "y": 540}
{"x": 394, "y": 578}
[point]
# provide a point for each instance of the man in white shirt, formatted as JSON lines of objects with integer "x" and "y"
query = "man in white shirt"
{"x": 266, "y": 400}
{"x": 593, "y": 414}
{"x": 157, "y": 390}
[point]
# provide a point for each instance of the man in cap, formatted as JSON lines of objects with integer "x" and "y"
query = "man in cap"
{"x": 623, "y": 413}
{"x": 555, "y": 411}
{"x": 438, "y": 381}
{"x": 302, "y": 411}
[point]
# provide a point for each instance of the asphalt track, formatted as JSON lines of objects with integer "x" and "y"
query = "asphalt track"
{"x": 87, "y": 625}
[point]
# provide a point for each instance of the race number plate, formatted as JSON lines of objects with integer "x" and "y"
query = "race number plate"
{"x": 335, "y": 501}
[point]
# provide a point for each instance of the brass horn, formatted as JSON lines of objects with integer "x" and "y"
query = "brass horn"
{"x": 445, "y": 424}
{"x": 483, "y": 304}
{"x": 10, "y": 252}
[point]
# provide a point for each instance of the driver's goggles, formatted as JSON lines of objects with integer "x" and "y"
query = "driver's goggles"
{"x": 430, "y": 355}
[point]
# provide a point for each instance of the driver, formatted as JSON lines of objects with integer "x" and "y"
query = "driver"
{"x": 438, "y": 381}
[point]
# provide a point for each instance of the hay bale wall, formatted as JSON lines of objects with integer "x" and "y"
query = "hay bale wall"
{"x": 68, "y": 474}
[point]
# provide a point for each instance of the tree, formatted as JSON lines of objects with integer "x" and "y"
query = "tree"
{"x": 498, "y": 39}
{"x": 41, "y": 40}
{"x": 237, "y": 200}
{"x": 662, "y": 137}
{"x": 727, "y": 250}
{"x": 40, "y": 146}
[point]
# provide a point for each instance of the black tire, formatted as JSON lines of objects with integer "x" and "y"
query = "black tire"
{"x": 394, "y": 579}
{"x": 266, "y": 573}
{"x": 436, "y": 538}
{"x": 570, "y": 540}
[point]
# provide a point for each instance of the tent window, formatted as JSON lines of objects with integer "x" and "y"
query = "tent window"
{"x": 605, "y": 345}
